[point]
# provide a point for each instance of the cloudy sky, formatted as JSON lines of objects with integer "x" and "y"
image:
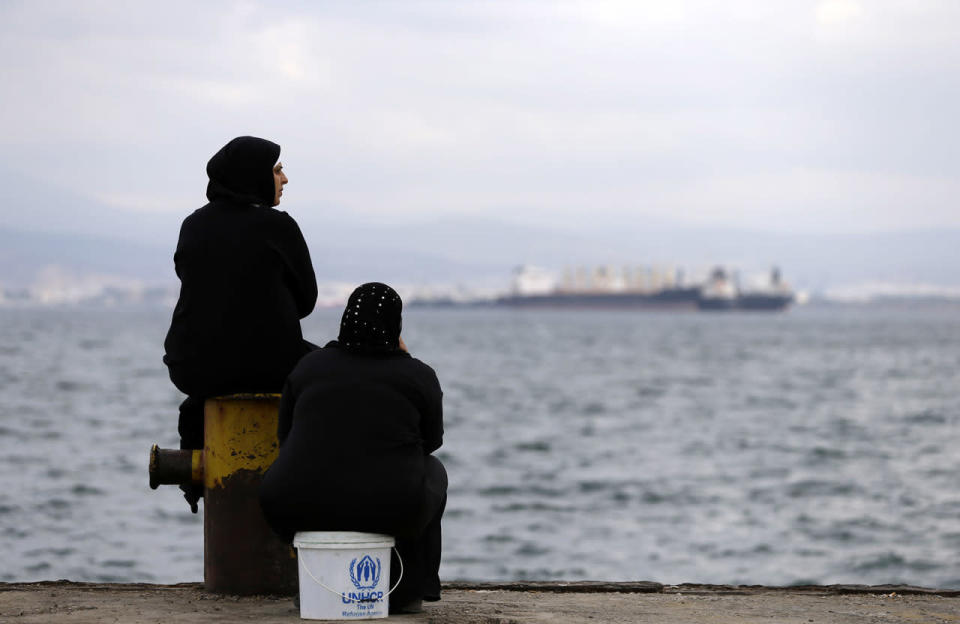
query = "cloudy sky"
{"x": 789, "y": 115}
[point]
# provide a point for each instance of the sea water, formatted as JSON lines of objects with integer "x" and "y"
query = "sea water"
{"x": 819, "y": 445}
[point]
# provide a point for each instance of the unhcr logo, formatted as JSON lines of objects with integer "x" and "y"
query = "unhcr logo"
{"x": 366, "y": 573}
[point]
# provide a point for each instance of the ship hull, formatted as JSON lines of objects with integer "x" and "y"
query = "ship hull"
{"x": 717, "y": 304}
{"x": 672, "y": 299}
{"x": 763, "y": 302}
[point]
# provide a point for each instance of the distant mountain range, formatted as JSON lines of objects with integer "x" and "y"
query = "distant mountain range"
{"x": 51, "y": 228}
{"x": 483, "y": 252}
{"x": 474, "y": 248}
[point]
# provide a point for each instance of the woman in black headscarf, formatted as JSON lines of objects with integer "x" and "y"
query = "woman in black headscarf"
{"x": 358, "y": 421}
{"x": 246, "y": 281}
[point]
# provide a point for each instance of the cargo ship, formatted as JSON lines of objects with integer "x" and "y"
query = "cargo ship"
{"x": 643, "y": 288}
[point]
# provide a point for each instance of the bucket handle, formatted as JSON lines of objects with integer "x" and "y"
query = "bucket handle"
{"x": 341, "y": 594}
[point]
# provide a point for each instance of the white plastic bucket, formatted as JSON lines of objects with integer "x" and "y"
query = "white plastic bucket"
{"x": 344, "y": 575}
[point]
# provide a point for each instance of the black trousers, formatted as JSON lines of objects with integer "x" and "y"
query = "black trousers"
{"x": 421, "y": 554}
{"x": 190, "y": 425}
{"x": 199, "y": 388}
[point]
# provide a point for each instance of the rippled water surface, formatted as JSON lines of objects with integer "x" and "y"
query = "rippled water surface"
{"x": 814, "y": 446}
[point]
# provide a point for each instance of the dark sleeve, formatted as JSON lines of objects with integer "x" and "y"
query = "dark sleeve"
{"x": 285, "y": 421}
{"x": 431, "y": 421}
{"x": 298, "y": 268}
{"x": 178, "y": 254}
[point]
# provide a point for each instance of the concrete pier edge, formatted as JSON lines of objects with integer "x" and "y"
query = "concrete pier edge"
{"x": 518, "y": 602}
{"x": 566, "y": 587}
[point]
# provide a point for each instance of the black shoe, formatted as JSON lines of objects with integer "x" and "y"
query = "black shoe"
{"x": 193, "y": 494}
{"x": 414, "y": 606}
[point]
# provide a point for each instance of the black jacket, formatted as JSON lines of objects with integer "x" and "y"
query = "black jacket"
{"x": 246, "y": 281}
{"x": 354, "y": 430}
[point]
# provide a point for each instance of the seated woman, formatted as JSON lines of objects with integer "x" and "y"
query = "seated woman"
{"x": 246, "y": 281}
{"x": 358, "y": 421}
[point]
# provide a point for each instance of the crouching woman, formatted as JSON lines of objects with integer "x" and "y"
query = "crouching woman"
{"x": 358, "y": 421}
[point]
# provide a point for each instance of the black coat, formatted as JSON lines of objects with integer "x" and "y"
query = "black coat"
{"x": 246, "y": 281}
{"x": 354, "y": 431}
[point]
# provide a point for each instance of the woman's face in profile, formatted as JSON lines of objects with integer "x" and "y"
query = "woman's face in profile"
{"x": 279, "y": 179}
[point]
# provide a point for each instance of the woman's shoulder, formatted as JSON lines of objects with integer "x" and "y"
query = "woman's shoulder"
{"x": 422, "y": 371}
{"x": 333, "y": 354}
{"x": 328, "y": 352}
{"x": 197, "y": 215}
{"x": 420, "y": 364}
{"x": 233, "y": 211}
{"x": 281, "y": 224}
{"x": 280, "y": 217}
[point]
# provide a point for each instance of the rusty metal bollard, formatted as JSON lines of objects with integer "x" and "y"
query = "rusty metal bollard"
{"x": 241, "y": 555}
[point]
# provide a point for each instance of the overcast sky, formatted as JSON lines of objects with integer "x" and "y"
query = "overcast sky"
{"x": 806, "y": 115}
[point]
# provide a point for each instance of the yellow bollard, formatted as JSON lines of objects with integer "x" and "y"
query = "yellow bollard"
{"x": 241, "y": 555}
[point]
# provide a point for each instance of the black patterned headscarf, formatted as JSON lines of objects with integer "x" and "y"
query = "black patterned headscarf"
{"x": 372, "y": 320}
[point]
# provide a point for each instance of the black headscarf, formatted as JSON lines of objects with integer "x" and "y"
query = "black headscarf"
{"x": 372, "y": 320}
{"x": 243, "y": 171}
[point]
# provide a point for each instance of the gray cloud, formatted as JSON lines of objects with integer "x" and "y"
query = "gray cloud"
{"x": 821, "y": 116}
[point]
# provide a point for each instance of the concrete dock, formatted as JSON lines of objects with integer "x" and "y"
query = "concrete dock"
{"x": 55, "y": 602}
